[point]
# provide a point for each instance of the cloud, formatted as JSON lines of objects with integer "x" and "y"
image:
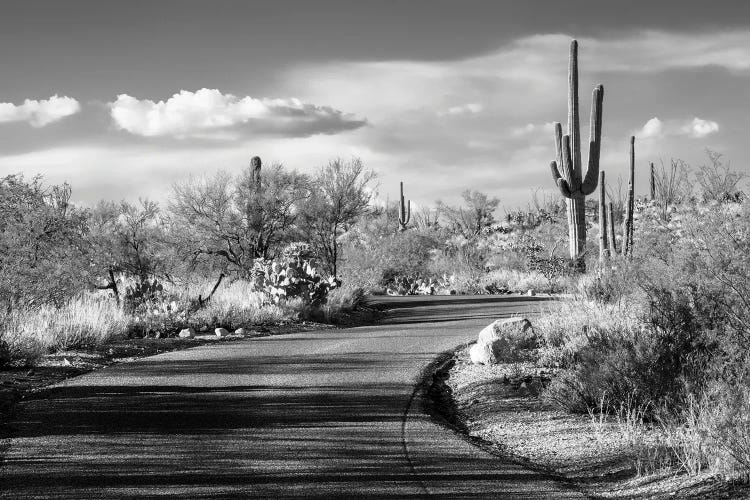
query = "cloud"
{"x": 653, "y": 128}
{"x": 533, "y": 129}
{"x": 696, "y": 128}
{"x": 207, "y": 113}
{"x": 39, "y": 113}
{"x": 471, "y": 108}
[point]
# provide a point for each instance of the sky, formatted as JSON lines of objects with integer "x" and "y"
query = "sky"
{"x": 122, "y": 99}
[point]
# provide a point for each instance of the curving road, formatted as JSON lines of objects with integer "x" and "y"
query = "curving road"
{"x": 330, "y": 414}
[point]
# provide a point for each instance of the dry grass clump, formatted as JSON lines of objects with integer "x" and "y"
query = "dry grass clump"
{"x": 86, "y": 320}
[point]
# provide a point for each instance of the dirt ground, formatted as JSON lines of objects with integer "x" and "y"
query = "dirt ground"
{"x": 604, "y": 456}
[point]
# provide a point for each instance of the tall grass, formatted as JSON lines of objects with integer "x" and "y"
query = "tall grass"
{"x": 84, "y": 321}
{"x": 236, "y": 304}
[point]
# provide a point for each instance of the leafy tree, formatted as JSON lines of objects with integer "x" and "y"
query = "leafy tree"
{"x": 340, "y": 195}
{"x": 42, "y": 249}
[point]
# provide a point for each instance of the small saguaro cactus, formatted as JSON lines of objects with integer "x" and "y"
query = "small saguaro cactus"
{"x": 652, "y": 182}
{"x": 572, "y": 183}
{"x": 404, "y": 211}
{"x": 627, "y": 233}
{"x": 255, "y": 163}
{"x": 611, "y": 221}
{"x": 603, "y": 243}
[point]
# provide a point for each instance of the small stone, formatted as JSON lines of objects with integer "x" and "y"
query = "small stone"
{"x": 187, "y": 333}
{"x": 240, "y": 331}
{"x": 221, "y": 332}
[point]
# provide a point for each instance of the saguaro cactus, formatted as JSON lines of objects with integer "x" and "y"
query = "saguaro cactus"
{"x": 603, "y": 243}
{"x": 652, "y": 182}
{"x": 572, "y": 183}
{"x": 611, "y": 217}
{"x": 627, "y": 234}
{"x": 256, "y": 163}
{"x": 404, "y": 211}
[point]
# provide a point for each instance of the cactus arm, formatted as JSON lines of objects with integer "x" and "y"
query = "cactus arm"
{"x": 573, "y": 120}
{"x": 408, "y": 212}
{"x": 559, "y": 152}
{"x": 595, "y": 141}
{"x": 561, "y": 183}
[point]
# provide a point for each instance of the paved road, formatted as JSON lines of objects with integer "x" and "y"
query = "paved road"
{"x": 319, "y": 414}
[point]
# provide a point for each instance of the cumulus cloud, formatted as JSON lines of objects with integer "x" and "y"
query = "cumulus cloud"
{"x": 653, "y": 128}
{"x": 207, "y": 113}
{"x": 696, "y": 128}
{"x": 39, "y": 113}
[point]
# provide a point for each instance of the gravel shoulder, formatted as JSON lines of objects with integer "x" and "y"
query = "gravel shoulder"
{"x": 499, "y": 405}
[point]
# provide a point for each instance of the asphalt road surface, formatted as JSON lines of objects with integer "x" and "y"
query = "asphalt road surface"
{"x": 332, "y": 414}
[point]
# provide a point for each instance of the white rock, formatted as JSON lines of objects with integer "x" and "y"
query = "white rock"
{"x": 187, "y": 333}
{"x": 499, "y": 328}
{"x": 531, "y": 293}
{"x": 240, "y": 331}
{"x": 494, "y": 344}
{"x": 481, "y": 354}
{"x": 221, "y": 332}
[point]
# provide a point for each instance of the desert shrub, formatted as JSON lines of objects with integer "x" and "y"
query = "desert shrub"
{"x": 627, "y": 367}
{"x": 372, "y": 261}
{"x": 725, "y": 425}
{"x": 565, "y": 326}
{"x": 521, "y": 281}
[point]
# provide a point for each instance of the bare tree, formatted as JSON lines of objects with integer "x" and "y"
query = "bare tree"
{"x": 717, "y": 181}
{"x": 225, "y": 223}
{"x": 126, "y": 239}
{"x": 340, "y": 195}
{"x": 471, "y": 219}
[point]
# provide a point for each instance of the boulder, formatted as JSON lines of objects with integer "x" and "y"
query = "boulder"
{"x": 187, "y": 333}
{"x": 504, "y": 340}
{"x": 501, "y": 328}
{"x": 531, "y": 293}
{"x": 221, "y": 332}
{"x": 482, "y": 354}
{"x": 240, "y": 331}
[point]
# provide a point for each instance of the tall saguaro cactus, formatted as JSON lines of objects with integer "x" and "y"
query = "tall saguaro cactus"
{"x": 603, "y": 243}
{"x": 572, "y": 183}
{"x": 627, "y": 235}
{"x": 404, "y": 211}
